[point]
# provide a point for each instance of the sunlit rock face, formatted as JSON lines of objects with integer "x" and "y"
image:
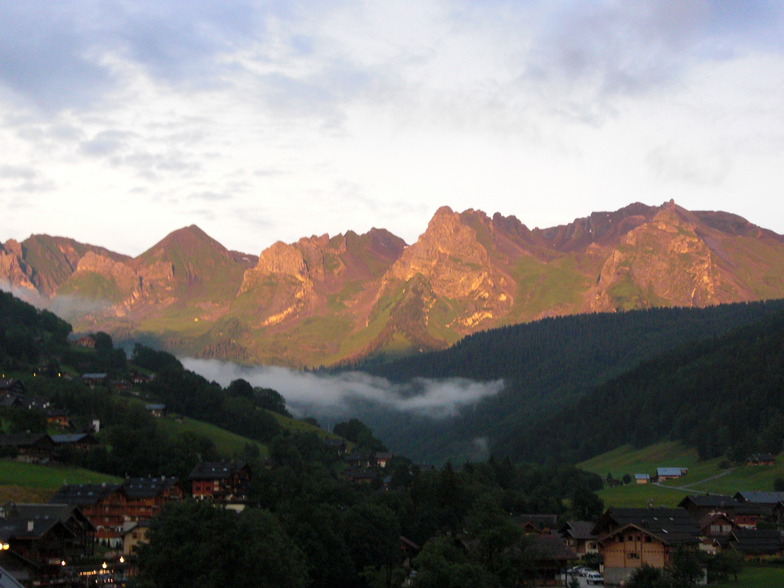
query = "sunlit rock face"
{"x": 329, "y": 300}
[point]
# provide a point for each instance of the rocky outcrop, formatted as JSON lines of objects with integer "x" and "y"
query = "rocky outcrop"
{"x": 325, "y": 300}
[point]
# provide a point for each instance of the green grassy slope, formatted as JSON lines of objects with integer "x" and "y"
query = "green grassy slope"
{"x": 756, "y": 577}
{"x": 27, "y": 482}
{"x": 703, "y": 477}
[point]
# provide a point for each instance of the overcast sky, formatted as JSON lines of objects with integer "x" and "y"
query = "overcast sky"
{"x": 121, "y": 121}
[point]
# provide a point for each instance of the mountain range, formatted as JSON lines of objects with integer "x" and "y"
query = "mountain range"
{"x": 353, "y": 298}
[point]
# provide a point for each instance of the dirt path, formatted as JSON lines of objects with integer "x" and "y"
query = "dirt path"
{"x": 686, "y": 487}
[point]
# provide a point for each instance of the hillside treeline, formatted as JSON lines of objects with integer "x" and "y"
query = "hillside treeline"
{"x": 724, "y": 396}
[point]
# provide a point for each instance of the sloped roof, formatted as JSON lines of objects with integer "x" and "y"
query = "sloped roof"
{"x": 669, "y": 525}
{"x": 25, "y": 440}
{"x": 83, "y": 494}
{"x": 147, "y": 487}
{"x": 669, "y": 471}
{"x": 706, "y": 521}
{"x": 537, "y": 520}
{"x": 63, "y": 512}
{"x": 215, "y": 470}
{"x": 757, "y": 541}
{"x": 74, "y": 438}
{"x": 709, "y": 501}
{"x": 579, "y": 529}
{"x": 759, "y": 497}
{"x": 552, "y": 547}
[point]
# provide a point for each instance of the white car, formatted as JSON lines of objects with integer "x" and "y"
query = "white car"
{"x": 593, "y": 578}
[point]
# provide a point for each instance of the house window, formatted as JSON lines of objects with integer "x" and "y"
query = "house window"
{"x": 634, "y": 556}
{"x": 647, "y": 539}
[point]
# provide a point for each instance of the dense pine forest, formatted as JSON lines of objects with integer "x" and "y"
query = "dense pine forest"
{"x": 724, "y": 396}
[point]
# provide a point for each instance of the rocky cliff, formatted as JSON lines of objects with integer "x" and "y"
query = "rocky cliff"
{"x": 326, "y": 300}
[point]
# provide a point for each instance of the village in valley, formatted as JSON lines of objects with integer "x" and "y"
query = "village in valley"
{"x": 90, "y": 533}
{"x": 113, "y": 464}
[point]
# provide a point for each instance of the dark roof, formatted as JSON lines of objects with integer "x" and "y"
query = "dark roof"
{"x": 551, "y": 547}
{"x": 706, "y": 521}
{"x": 25, "y": 440}
{"x": 83, "y": 494}
{"x": 669, "y": 525}
{"x": 759, "y": 497}
{"x": 761, "y": 457}
{"x": 74, "y": 438}
{"x": 63, "y": 512}
{"x": 537, "y": 520}
{"x": 11, "y": 400}
{"x": 31, "y": 521}
{"x": 578, "y": 529}
{"x": 147, "y": 487}
{"x": 216, "y": 470}
{"x": 12, "y": 385}
{"x": 756, "y": 541}
{"x": 709, "y": 501}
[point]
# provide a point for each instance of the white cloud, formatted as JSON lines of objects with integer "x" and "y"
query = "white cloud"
{"x": 334, "y": 395}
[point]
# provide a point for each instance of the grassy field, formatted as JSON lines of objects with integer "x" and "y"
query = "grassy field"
{"x": 703, "y": 476}
{"x": 27, "y": 482}
{"x": 756, "y": 577}
{"x": 226, "y": 442}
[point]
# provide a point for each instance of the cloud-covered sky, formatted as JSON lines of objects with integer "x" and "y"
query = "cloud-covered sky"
{"x": 268, "y": 120}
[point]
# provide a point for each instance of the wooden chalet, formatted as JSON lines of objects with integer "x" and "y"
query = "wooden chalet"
{"x": 12, "y": 386}
{"x": 111, "y": 506}
{"x": 59, "y": 417}
{"x": 144, "y": 497}
{"x": 715, "y": 529}
{"x": 761, "y": 459}
{"x": 668, "y": 473}
{"x": 95, "y": 379}
{"x": 579, "y": 537}
{"x": 700, "y": 505}
{"x": 40, "y": 538}
{"x": 358, "y": 459}
{"x": 220, "y": 481}
{"x": 382, "y": 459}
{"x": 540, "y": 524}
{"x": 550, "y": 556}
{"x": 103, "y": 504}
{"x": 156, "y": 410}
{"x": 78, "y": 441}
{"x": 632, "y": 537}
{"x": 29, "y": 446}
